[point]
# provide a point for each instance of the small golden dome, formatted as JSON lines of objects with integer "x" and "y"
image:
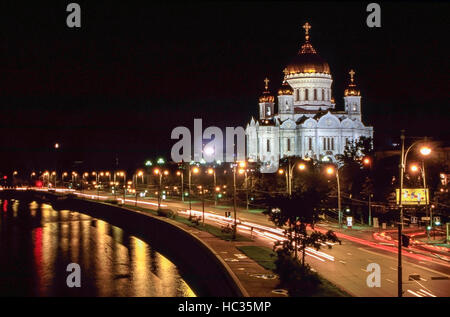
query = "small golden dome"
{"x": 285, "y": 89}
{"x": 266, "y": 96}
{"x": 352, "y": 90}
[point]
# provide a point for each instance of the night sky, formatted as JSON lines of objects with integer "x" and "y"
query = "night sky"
{"x": 134, "y": 71}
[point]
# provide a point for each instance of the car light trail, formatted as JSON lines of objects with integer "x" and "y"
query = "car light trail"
{"x": 414, "y": 293}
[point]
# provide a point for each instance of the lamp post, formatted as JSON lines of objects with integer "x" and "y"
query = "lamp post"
{"x": 330, "y": 171}
{"x": 415, "y": 168}
{"x": 301, "y": 167}
{"x": 290, "y": 175}
{"x": 63, "y": 175}
{"x": 181, "y": 174}
{"x": 159, "y": 172}
{"x": 31, "y": 177}
{"x": 425, "y": 150}
{"x": 194, "y": 170}
{"x": 124, "y": 174}
{"x": 241, "y": 165}
{"x": 212, "y": 171}
{"x": 368, "y": 162}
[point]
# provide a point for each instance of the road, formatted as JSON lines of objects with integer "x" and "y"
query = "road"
{"x": 344, "y": 265}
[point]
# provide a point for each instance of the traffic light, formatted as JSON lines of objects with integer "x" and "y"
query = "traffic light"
{"x": 405, "y": 240}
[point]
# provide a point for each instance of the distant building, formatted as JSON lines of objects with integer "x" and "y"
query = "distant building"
{"x": 307, "y": 123}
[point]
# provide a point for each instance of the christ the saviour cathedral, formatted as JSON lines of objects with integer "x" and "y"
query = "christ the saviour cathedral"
{"x": 307, "y": 123}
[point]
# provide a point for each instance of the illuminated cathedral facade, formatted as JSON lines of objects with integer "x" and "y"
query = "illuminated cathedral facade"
{"x": 307, "y": 123}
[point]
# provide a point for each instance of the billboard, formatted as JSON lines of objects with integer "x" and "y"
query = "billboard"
{"x": 413, "y": 196}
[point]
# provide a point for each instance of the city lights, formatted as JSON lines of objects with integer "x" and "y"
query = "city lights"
{"x": 425, "y": 150}
{"x": 414, "y": 168}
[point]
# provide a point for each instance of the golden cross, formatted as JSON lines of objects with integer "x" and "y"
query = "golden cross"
{"x": 307, "y": 27}
{"x": 267, "y": 83}
{"x": 351, "y": 72}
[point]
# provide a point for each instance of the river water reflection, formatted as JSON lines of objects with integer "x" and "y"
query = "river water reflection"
{"x": 37, "y": 243}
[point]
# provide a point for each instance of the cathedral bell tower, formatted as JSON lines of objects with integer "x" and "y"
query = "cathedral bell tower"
{"x": 352, "y": 99}
{"x": 285, "y": 100}
{"x": 266, "y": 102}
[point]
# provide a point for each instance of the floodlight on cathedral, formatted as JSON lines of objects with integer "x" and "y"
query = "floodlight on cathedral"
{"x": 266, "y": 96}
{"x": 352, "y": 90}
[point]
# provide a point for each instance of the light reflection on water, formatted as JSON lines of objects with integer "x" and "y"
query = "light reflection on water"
{"x": 37, "y": 243}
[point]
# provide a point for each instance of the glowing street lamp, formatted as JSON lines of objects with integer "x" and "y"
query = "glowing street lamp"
{"x": 424, "y": 150}
{"x": 194, "y": 170}
{"x": 330, "y": 171}
{"x": 290, "y": 174}
{"x": 212, "y": 171}
{"x": 181, "y": 174}
{"x": 159, "y": 172}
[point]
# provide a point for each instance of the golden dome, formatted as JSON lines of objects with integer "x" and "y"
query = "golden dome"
{"x": 307, "y": 59}
{"x": 285, "y": 89}
{"x": 266, "y": 96}
{"x": 352, "y": 90}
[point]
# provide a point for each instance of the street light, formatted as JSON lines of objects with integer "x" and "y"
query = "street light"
{"x": 241, "y": 164}
{"x": 331, "y": 170}
{"x": 424, "y": 150}
{"x": 290, "y": 174}
{"x": 194, "y": 170}
{"x": 212, "y": 171}
{"x": 415, "y": 168}
{"x": 181, "y": 174}
{"x": 159, "y": 172}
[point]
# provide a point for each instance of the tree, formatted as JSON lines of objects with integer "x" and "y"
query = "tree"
{"x": 296, "y": 214}
{"x": 353, "y": 172}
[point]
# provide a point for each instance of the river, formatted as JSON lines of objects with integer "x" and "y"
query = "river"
{"x": 37, "y": 243}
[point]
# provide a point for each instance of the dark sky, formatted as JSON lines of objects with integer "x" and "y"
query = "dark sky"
{"x": 136, "y": 70}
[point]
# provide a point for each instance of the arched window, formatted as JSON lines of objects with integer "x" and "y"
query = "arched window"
{"x": 268, "y": 145}
{"x": 306, "y": 94}
{"x": 289, "y": 145}
{"x": 310, "y": 144}
{"x": 323, "y": 94}
{"x": 297, "y": 94}
{"x": 315, "y": 94}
